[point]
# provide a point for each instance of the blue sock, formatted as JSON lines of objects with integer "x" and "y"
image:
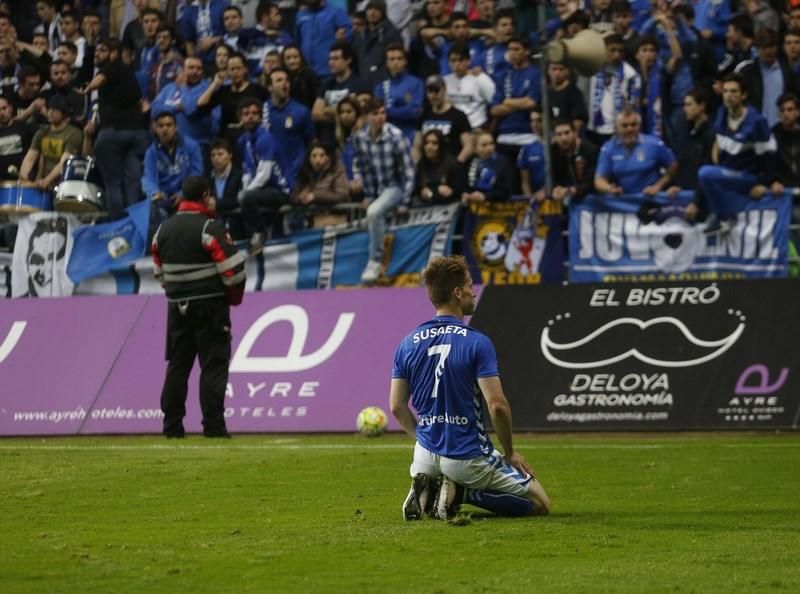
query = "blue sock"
{"x": 503, "y": 504}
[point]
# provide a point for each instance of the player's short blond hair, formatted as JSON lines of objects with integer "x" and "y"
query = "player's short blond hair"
{"x": 441, "y": 277}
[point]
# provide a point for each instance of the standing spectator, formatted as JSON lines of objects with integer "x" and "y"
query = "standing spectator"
{"x": 341, "y": 83}
{"x": 267, "y": 35}
{"x": 421, "y": 53}
{"x": 302, "y": 80}
{"x": 321, "y": 181}
{"x": 632, "y": 162}
{"x": 318, "y": 26}
{"x": 348, "y": 122}
{"x": 622, "y": 17}
{"x": 440, "y": 179}
{"x": 371, "y": 46}
{"x": 745, "y": 153}
{"x": 787, "y": 136}
{"x": 51, "y": 146}
{"x": 652, "y": 72}
{"x": 30, "y": 107}
{"x": 145, "y": 58}
{"x": 471, "y": 93}
{"x": 122, "y": 139}
{"x": 566, "y": 100}
{"x": 791, "y": 49}
{"x": 228, "y": 97}
{"x": 226, "y": 184}
{"x": 573, "y": 162}
{"x": 489, "y": 177}
{"x": 493, "y": 60}
{"x": 61, "y": 84}
{"x": 711, "y": 20}
{"x": 168, "y": 160}
{"x": 600, "y": 16}
{"x": 200, "y": 23}
{"x": 169, "y": 65}
{"x": 531, "y": 164}
{"x": 289, "y": 122}
{"x": 616, "y": 86}
{"x": 181, "y": 98}
{"x": 739, "y": 46}
{"x": 198, "y": 312}
{"x": 15, "y": 140}
{"x": 765, "y": 17}
{"x": 441, "y": 115}
{"x": 385, "y": 170}
{"x": 234, "y": 37}
{"x": 458, "y": 32}
{"x": 401, "y": 92}
{"x": 694, "y": 139}
{"x": 70, "y": 29}
{"x": 768, "y": 77}
{"x": 263, "y": 183}
{"x": 517, "y": 93}
{"x": 133, "y": 37}
{"x": 49, "y": 24}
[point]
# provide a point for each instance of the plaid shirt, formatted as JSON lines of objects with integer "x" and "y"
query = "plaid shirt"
{"x": 383, "y": 162}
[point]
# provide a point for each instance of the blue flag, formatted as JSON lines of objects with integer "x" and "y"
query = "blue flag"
{"x": 96, "y": 249}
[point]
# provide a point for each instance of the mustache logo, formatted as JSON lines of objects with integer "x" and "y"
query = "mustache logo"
{"x": 696, "y": 351}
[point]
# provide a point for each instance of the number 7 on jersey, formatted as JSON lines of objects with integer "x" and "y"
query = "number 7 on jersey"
{"x": 442, "y": 350}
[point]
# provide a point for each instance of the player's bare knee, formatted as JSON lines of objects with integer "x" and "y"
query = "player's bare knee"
{"x": 541, "y": 502}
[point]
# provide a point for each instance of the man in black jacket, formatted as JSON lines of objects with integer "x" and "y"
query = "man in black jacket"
{"x": 203, "y": 275}
{"x": 226, "y": 183}
{"x": 573, "y": 161}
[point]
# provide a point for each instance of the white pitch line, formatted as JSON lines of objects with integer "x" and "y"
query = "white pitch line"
{"x": 367, "y": 446}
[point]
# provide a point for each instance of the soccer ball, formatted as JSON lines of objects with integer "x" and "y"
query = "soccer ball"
{"x": 371, "y": 421}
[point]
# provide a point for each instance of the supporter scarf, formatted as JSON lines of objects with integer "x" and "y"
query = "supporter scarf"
{"x": 652, "y": 109}
{"x": 483, "y": 173}
{"x": 204, "y": 21}
{"x": 602, "y": 80}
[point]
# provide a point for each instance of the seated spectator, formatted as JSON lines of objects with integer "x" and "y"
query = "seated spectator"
{"x": 441, "y": 115}
{"x": 787, "y": 136}
{"x": 531, "y": 163}
{"x": 15, "y": 140}
{"x": 168, "y": 160}
{"x": 51, "y": 146}
{"x": 348, "y": 122}
{"x": 371, "y": 46}
{"x": 321, "y": 182}
{"x": 318, "y": 25}
{"x": 471, "y": 93}
{"x": 342, "y": 82}
{"x": 791, "y": 49}
{"x": 693, "y": 140}
{"x": 383, "y": 167}
{"x": 439, "y": 179}
{"x": 573, "y": 162}
{"x": 169, "y": 64}
{"x": 228, "y": 97}
{"x": 263, "y": 183}
{"x": 234, "y": 37}
{"x": 266, "y": 36}
{"x": 401, "y": 92}
{"x": 221, "y": 55}
{"x": 200, "y": 24}
{"x": 31, "y": 108}
{"x": 616, "y": 86}
{"x": 181, "y": 98}
{"x": 566, "y": 100}
{"x": 632, "y": 162}
{"x": 289, "y": 122}
{"x": 67, "y": 53}
{"x": 768, "y": 77}
{"x": 61, "y": 84}
{"x": 226, "y": 183}
{"x": 744, "y": 151}
{"x": 272, "y": 61}
{"x": 302, "y": 80}
{"x": 489, "y": 175}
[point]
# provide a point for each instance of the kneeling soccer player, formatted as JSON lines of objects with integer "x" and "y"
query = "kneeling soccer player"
{"x": 437, "y": 368}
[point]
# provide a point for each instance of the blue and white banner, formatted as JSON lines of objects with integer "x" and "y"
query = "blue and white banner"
{"x": 648, "y": 239}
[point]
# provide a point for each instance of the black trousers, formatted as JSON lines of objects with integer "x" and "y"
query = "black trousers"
{"x": 199, "y": 328}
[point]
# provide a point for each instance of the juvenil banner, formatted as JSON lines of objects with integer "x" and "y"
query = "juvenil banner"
{"x": 620, "y": 356}
{"x": 648, "y": 239}
{"x": 515, "y": 242}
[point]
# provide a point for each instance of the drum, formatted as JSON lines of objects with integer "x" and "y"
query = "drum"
{"x": 22, "y": 197}
{"x": 80, "y": 188}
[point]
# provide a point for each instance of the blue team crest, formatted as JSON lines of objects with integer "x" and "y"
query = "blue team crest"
{"x": 288, "y": 122}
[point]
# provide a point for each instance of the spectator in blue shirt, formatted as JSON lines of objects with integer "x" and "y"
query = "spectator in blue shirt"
{"x": 401, "y": 92}
{"x": 289, "y": 122}
{"x": 458, "y": 32}
{"x": 265, "y": 36}
{"x": 493, "y": 60}
{"x": 167, "y": 161}
{"x": 517, "y": 92}
{"x": 263, "y": 183}
{"x": 489, "y": 173}
{"x": 385, "y": 169}
{"x": 317, "y": 27}
{"x": 632, "y": 162}
{"x": 531, "y": 163}
{"x": 201, "y": 25}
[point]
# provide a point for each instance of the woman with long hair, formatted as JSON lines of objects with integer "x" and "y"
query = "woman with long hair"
{"x": 440, "y": 178}
{"x": 321, "y": 182}
{"x": 303, "y": 82}
{"x": 348, "y": 121}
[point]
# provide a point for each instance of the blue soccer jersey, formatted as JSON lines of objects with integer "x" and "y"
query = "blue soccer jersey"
{"x": 442, "y": 361}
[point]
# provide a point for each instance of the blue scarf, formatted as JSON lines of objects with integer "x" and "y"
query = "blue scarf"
{"x": 604, "y": 78}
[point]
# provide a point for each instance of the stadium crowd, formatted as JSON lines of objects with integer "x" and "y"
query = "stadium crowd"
{"x": 301, "y": 106}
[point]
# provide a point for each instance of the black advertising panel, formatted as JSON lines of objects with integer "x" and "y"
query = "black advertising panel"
{"x": 715, "y": 355}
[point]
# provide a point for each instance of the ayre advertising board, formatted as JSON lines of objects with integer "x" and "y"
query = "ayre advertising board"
{"x": 678, "y": 356}
{"x": 302, "y": 361}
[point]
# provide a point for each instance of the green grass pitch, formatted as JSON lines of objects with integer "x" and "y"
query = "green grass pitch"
{"x": 631, "y": 513}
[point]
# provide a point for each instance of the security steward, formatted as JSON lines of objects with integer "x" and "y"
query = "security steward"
{"x": 203, "y": 275}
